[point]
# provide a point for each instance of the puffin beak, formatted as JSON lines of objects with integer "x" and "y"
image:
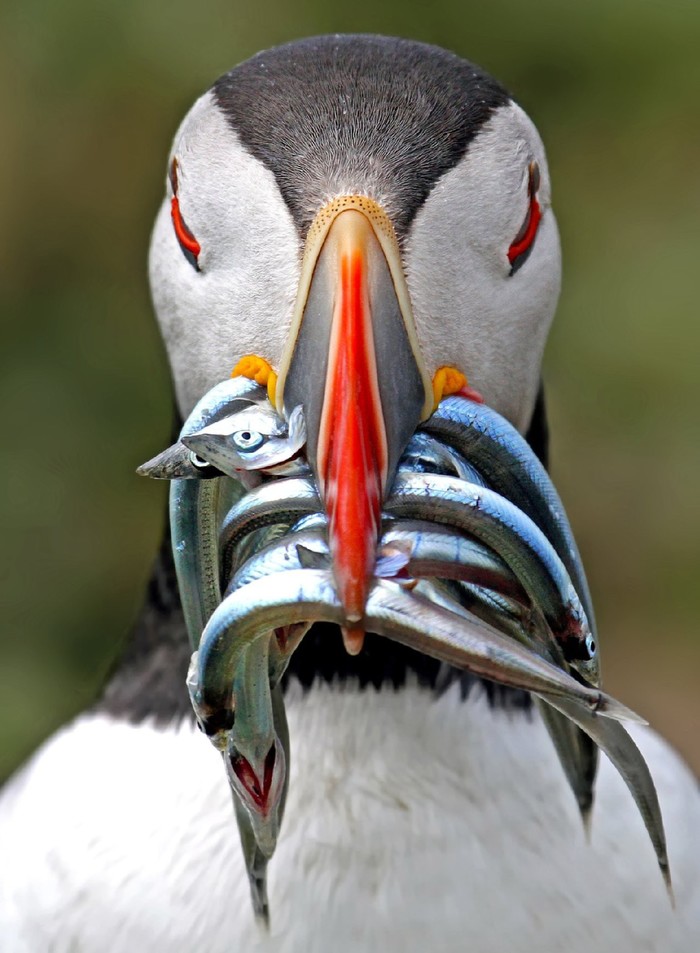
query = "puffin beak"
{"x": 353, "y": 362}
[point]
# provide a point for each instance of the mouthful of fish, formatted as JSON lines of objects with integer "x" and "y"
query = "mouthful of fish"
{"x": 464, "y": 553}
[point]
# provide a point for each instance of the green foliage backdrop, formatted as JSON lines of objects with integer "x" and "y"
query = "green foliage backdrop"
{"x": 91, "y": 92}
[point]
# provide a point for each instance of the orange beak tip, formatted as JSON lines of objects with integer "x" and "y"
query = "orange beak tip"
{"x": 353, "y": 640}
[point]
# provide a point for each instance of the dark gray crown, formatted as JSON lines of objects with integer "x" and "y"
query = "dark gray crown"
{"x": 327, "y": 111}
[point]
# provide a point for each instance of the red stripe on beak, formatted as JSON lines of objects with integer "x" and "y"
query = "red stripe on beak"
{"x": 352, "y": 445}
{"x": 352, "y": 317}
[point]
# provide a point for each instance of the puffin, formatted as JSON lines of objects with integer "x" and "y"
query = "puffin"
{"x": 426, "y": 806}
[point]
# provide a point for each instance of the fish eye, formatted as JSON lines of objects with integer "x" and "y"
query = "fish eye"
{"x": 198, "y": 461}
{"x": 248, "y": 440}
{"x": 590, "y": 645}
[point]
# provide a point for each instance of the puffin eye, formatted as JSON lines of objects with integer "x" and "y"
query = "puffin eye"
{"x": 519, "y": 251}
{"x": 188, "y": 243}
{"x": 247, "y": 440}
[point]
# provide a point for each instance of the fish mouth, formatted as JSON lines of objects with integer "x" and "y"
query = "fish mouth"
{"x": 353, "y": 363}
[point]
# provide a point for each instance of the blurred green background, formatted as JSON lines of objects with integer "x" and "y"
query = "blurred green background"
{"x": 91, "y": 92}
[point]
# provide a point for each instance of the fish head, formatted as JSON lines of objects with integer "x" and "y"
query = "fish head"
{"x": 255, "y": 438}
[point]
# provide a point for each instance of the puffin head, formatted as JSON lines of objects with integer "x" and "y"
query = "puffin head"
{"x": 366, "y": 221}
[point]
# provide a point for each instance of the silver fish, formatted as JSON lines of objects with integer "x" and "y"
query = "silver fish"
{"x": 254, "y": 438}
{"x": 579, "y": 768}
{"x": 575, "y": 750}
{"x": 278, "y": 555}
{"x": 509, "y": 466}
{"x": 255, "y": 751}
{"x": 425, "y": 550}
{"x": 254, "y": 858}
{"x": 565, "y": 720}
{"x": 281, "y": 555}
{"x": 280, "y": 502}
{"x": 580, "y": 759}
{"x": 249, "y": 545}
{"x": 256, "y": 760}
{"x": 577, "y": 753}
{"x": 494, "y": 520}
{"x": 310, "y": 521}
{"x": 425, "y": 454}
{"x": 309, "y": 595}
{"x": 436, "y": 551}
{"x": 178, "y": 462}
{"x": 611, "y": 737}
{"x": 195, "y": 509}
{"x": 194, "y": 529}
{"x": 195, "y": 505}
{"x": 483, "y": 435}
{"x": 390, "y": 631}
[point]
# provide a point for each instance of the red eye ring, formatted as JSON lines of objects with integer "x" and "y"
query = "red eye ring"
{"x": 184, "y": 235}
{"x": 519, "y": 250}
{"x": 521, "y": 245}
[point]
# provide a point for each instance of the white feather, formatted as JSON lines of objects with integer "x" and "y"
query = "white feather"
{"x": 413, "y": 823}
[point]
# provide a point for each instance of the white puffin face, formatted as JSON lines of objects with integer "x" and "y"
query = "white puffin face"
{"x": 240, "y": 300}
{"x": 473, "y": 308}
